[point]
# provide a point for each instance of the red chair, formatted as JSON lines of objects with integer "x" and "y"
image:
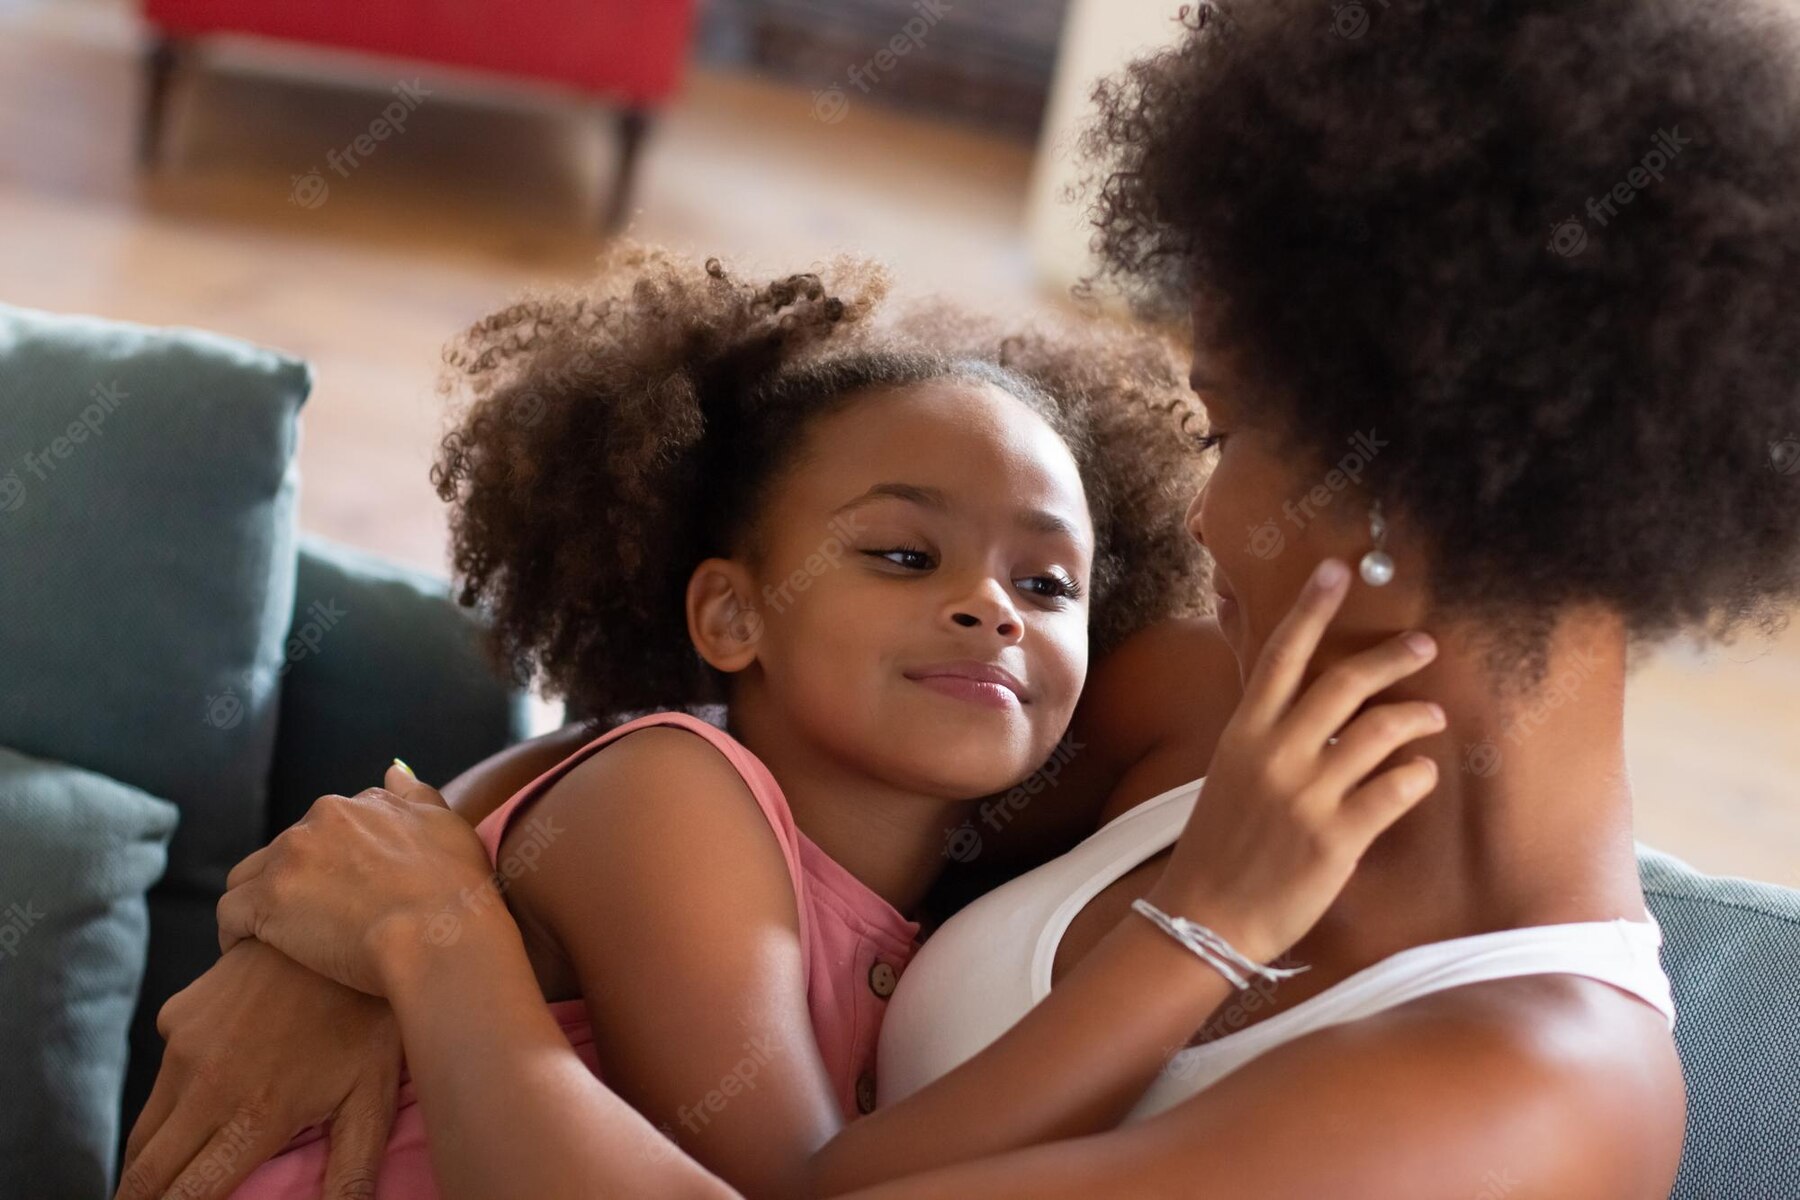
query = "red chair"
{"x": 629, "y": 52}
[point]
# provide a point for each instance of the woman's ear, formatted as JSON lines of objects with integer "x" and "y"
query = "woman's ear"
{"x": 722, "y": 618}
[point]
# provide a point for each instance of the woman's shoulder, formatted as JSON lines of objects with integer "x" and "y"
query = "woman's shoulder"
{"x": 1570, "y": 1074}
{"x": 1559, "y": 1085}
{"x": 1586, "y": 1073}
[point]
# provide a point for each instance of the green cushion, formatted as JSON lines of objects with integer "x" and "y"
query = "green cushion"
{"x": 79, "y": 851}
{"x": 147, "y": 489}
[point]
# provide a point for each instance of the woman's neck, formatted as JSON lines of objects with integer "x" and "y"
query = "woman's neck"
{"x": 1530, "y": 822}
{"x": 892, "y": 839}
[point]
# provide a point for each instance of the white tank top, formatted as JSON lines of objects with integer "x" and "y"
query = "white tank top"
{"x": 990, "y": 964}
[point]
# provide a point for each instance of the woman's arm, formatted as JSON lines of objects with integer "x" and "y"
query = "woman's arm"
{"x": 264, "y": 1047}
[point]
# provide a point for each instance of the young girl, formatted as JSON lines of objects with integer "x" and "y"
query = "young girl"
{"x": 680, "y": 489}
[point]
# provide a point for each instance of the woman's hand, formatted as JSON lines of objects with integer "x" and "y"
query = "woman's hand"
{"x": 361, "y": 879}
{"x": 259, "y": 1048}
{"x": 1285, "y": 815}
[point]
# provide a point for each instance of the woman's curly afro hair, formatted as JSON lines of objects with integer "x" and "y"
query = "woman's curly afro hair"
{"x": 1549, "y": 249}
{"x": 617, "y": 434}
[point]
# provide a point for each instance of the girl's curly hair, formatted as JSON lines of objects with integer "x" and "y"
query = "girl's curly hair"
{"x": 617, "y": 434}
{"x": 1549, "y": 249}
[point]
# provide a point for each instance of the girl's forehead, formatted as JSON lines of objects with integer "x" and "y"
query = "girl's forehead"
{"x": 965, "y": 433}
{"x": 951, "y": 450}
{"x": 945, "y": 417}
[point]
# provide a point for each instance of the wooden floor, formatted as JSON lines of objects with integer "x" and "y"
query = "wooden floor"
{"x": 490, "y": 189}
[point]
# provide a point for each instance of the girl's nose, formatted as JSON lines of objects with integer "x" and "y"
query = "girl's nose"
{"x": 988, "y": 606}
{"x": 1193, "y": 516}
{"x": 1003, "y": 627}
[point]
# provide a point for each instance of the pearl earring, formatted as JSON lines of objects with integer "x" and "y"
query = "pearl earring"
{"x": 1376, "y": 568}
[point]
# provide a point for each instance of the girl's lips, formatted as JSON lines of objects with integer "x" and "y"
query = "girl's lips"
{"x": 991, "y": 695}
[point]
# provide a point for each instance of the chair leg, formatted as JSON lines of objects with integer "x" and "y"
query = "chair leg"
{"x": 160, "y": 64}
{"x": 633, "y": 128}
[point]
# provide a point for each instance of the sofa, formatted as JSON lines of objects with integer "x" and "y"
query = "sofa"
{"x": 182, "y": 673}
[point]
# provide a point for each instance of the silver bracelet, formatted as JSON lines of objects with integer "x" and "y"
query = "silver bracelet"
{"x": 1214, "y": 950}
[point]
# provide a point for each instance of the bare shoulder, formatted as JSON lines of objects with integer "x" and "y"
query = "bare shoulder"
{"x": 654, "y": 781}
{"x": 494, "y": 780}
{"x": 659, "y": 812}
{"x": 1546, "y": 1085}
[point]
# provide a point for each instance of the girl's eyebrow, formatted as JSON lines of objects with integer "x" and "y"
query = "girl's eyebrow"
{"x": 1036, "y": 520}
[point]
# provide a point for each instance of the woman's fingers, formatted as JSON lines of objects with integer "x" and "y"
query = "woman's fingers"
{"x": 1282, "y": 664}
{"x": 1336, "y": 695}
{"x": 250, "y": 866}
{"x": 234, "y": 1150}
{"x": 1372, "y": 738}
{"x": 241, "y": 912}
{"x": 1377, "y": 804}
{"x": 155, "y": 1112}
{"x": 149, "y": 1174}
{"x": 359, "y": 1136}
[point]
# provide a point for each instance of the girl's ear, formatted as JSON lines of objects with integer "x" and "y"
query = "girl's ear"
{"x": 722, "y": 618}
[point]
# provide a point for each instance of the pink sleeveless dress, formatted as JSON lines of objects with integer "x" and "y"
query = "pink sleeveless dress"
{"x": 853, "y": 947}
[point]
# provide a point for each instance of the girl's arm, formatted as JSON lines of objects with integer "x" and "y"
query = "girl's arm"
{"x": 1416, "y": 1105}
{"x": 510, "y": 1111}
{"x": 658, "y": 880}
{"x": 1446, "y": 1098}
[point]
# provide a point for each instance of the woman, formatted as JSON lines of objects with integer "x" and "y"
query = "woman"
{"x": 1564, "y": 455}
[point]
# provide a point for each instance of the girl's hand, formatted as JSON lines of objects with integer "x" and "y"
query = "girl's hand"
{"x": 359, "y": 878}
{"x": 1285, "y": 816}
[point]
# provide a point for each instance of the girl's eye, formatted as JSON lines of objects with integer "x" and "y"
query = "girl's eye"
{"x": 907, "y": 551}
{"x": 1061, "y": 587}
{"x": 1206, "y": 441}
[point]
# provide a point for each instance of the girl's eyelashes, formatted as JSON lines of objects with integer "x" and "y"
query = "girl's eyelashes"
{"x": 906, "y": 550}
{"x": 1206, "y": 441}
{"x": 1062, "y": 586}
